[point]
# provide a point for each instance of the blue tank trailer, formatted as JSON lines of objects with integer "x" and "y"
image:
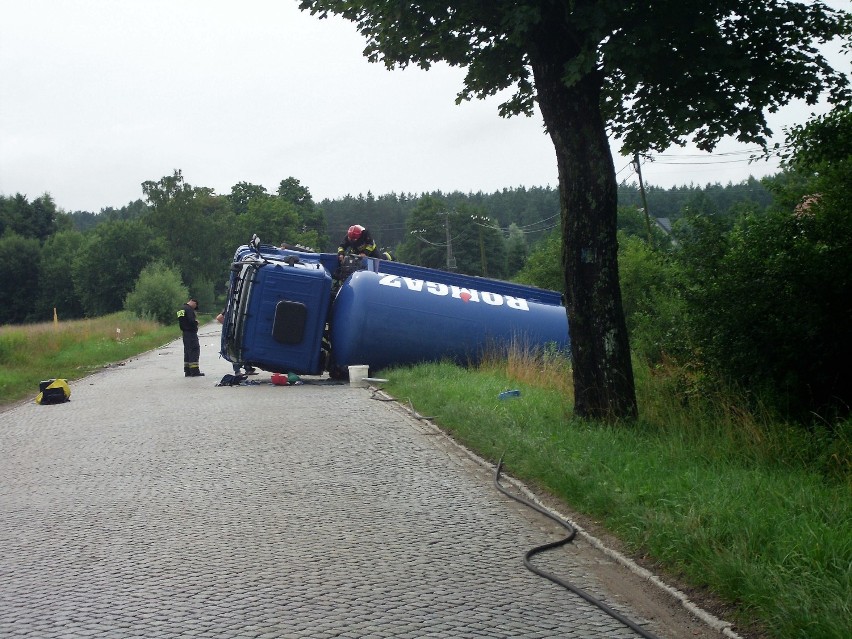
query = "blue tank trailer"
{"x": 294, "y": 311}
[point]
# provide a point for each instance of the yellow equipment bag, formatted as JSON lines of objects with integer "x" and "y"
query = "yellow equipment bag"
{"x": 53, "y": 391}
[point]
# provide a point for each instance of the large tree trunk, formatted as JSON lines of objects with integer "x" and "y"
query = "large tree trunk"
{"x": 603, "y": 374}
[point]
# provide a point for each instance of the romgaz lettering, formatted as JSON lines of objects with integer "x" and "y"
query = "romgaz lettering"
{"x": 458, "y": 292}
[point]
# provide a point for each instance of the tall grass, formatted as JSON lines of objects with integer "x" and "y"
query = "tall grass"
{"x": 70, "y": 350}
{"x": 754, "y": 511}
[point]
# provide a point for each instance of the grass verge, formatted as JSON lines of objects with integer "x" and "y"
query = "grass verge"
{"x": 755, "y": 513}
{"x": 71, "y": 350}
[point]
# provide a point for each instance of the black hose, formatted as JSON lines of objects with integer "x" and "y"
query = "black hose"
{"x": 556, "y": 544}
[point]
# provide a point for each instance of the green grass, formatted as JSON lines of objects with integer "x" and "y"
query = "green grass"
{"x": 71, "y": 350}
{"x": 756, "y": 513}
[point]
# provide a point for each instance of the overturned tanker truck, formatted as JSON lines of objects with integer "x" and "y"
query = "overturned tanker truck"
{"x": 294, "y": 311}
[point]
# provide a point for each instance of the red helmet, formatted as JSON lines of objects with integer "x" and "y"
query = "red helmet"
{"x": 354, "y": 232}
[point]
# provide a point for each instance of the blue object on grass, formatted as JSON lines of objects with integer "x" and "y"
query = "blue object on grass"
{"x": 509, "y": 394}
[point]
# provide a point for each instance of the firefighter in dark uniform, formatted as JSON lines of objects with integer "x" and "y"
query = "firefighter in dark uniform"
{"x": 358, "y": 241}
{"x": 191, "y": 347}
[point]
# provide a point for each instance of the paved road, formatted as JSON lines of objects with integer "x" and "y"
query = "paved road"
{"x": 154, "y": 505}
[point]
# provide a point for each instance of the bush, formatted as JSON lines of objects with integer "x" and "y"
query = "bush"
{"x": 544, "y": 265}
{"x": 109, "y": 262}
{"x": 158, "y": 293}
{"x": 202, "y": 289}
{"x": 20, "y": 259}
{"x": 769, "y": 305}
{"x": 651, "y": 292}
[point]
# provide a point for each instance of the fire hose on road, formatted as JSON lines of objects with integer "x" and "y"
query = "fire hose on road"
{"x": 572, "y": 532}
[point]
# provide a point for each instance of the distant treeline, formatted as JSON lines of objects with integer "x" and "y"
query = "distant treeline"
{"x": 535, "y": 210}
{"x": 84, "y": 263}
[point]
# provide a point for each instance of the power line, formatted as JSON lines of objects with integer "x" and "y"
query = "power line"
{"x": 709, "y": 154}
{"x": 628, "y": 165}
{"x": 708, "y": 161}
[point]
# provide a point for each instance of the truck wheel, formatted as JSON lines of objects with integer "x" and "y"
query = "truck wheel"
{"x": 338, "y": 373}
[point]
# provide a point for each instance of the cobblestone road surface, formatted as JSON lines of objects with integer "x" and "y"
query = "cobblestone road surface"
{"x": 153, "y": 505}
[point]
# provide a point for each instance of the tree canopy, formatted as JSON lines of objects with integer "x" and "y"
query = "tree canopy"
{"x": 672, "y": 70}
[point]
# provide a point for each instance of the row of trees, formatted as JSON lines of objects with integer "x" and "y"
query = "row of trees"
{"x": 82, "y": 263}
{"x": 534, "y": 211}
{"x": 49, "y": 264}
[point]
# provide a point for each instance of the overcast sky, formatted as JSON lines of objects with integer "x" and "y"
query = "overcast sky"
{"x": 97, "y": 96}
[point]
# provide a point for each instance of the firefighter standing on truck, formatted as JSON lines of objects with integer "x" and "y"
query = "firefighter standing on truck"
{"x": 359, "y": 241}
{"x": 191, "y": 348}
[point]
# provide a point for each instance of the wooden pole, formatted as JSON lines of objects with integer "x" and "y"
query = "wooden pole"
{"x": 644, "y": 200}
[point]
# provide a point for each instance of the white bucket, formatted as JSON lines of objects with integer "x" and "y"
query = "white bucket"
{"x": 357, "y": 375}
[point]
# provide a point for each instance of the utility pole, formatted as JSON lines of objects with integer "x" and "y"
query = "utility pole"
{"x": 451, "y": 260}
{"x": 480, "y": 222}
{"x": 638, "y": 167}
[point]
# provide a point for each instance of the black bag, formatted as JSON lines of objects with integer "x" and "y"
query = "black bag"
{"x": 53, "y": 391}
{"x": 232, "y": 380}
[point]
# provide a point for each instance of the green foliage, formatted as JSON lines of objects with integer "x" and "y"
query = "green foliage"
{"x": 204, "y": 291}
{"x": 517, "y": 250}
{"x": 670, "y": 203}
{"x": 543, "y": 267}
{"x": 109, "y": 263}
{"x": 242, "y": 193}
{"x": 204, "y": 228}
{"x": 158, "y": 293}
{"x": 37, "y": 219}
{"x": 385, "y": 216}
{"x": 822, "y": 144}
{"x": 819, "y": 164}
{"x": 652, "y": 293}
{"x": 426, "y": 243}
{"x": 669, "y": 70}
{"x": 56, "y": 286}
{"x": 674, "y": 70}
{"x": 770, "y": 293}
{"x": 530, "y": 214}
{"x": 702, "y": 243}
{"x": 632, "y": 222}
{"x": 312, "y": 225}
{"x": 197, "y": 225}
{"x": 781, "y": 305}
{"x": 272, "y": 219}
{"x": 478, "y": 245}
{"x": 20, "y": 258}
{"x": 85, "y": 220}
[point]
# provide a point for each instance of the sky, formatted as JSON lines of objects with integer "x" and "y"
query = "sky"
{"x": 98, "y": 96}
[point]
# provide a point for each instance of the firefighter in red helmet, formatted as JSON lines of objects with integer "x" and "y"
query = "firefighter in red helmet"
{"x": 358, "y": 241}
